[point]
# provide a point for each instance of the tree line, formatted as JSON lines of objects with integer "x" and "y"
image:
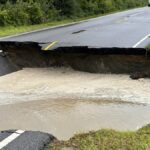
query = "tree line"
{"x": 30, "y": 12}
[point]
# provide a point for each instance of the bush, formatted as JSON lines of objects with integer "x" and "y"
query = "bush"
{"x": 36, "y": 13}
{"x": 3, "y": 18}
{"x": 67, "y": 8}
{"x": 106, "y": 6}
{"x": 27, "y": 12}
{"x": 14, "y": 15}
{"x": 17, "y": 16}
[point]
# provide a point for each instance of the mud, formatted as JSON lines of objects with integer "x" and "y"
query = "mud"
{"x": 93, "y": 60}
{"x": 66, "y": 117}
{"x": 50, "y": 83}
{"x": 138, "y": 75}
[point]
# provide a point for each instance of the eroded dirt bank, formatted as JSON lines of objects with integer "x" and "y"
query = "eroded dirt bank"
{"x": 93, "y": 60}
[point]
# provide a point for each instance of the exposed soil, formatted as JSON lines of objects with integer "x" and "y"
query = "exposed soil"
{"x": 93, "y": 60}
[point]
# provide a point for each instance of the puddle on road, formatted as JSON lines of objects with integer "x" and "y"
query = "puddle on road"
{"x": 64, "y": 118}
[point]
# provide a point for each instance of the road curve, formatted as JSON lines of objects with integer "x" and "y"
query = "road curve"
{"x": 124, "y": 29}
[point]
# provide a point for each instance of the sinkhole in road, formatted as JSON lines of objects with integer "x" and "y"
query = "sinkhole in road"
{"x": 17, "y": 55}
{"x": 61, "y": 92}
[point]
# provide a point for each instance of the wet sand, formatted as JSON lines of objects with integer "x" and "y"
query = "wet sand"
{"x": 64, "y": 118}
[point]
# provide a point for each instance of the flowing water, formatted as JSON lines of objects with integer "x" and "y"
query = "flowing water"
{"x": 64, "y": 102}
{"x": 65, "y": 117}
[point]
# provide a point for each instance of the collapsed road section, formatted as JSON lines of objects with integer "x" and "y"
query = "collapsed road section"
{"x": 17, "y": 55}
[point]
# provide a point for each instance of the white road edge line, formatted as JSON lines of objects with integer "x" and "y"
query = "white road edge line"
{"x": 142, "y": 40}
{"x": 10, "y": 138}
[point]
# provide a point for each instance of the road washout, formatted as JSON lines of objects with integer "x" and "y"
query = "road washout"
{"x": 63, "y": 102}
{"x": 94, "y": 60}
{"x": 60, "y": 90}
{"x": 76, "y": 67}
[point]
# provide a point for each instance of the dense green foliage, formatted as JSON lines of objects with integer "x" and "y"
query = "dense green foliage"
{"x": 107, "y": 140}
{"x": 28, "y": 12}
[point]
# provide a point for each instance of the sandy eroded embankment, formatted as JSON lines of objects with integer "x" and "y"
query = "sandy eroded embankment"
{"x": 50, "y": 83}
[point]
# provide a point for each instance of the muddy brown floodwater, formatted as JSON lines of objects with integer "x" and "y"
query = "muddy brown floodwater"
{"x": 64, "y": 118}
{"x": 64, "y": 102}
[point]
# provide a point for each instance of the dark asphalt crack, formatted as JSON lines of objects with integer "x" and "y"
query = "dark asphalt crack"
{"x": 78, "y": 31}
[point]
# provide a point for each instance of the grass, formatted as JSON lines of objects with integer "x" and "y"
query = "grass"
{"x": 11, "y": 30}
{"x": 107, "y": 140}
{"x": 148, "y": 47}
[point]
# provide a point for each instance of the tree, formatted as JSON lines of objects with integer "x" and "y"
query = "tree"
{"x": 68, "y": 7}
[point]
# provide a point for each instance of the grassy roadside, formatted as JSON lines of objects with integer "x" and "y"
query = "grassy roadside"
{"x": 11, "y": 30}
{"x": 148, "y": 47}
{"x": 107, "y": 140}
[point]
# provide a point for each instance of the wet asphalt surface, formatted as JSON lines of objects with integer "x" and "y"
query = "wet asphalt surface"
{"x": 27, "y": 141}
{"x": 123, "y": 29}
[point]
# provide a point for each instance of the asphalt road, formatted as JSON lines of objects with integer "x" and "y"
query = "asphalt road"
{"x": 125, "y": 29}
{"x": 24, "y": 140}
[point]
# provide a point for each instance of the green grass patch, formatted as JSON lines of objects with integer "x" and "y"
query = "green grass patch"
{"x": 148, "y": 47}
{"x": 107, "y": 140}
{"x": 11, "y": 30}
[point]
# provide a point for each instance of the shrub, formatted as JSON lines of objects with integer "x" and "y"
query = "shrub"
{"x": 17, "y": 16}
{"x": 67, "y": 8}
{"x": 3, "y": 17}
{"x": 36, "y": 13}
{"x": 22, "y": 12}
